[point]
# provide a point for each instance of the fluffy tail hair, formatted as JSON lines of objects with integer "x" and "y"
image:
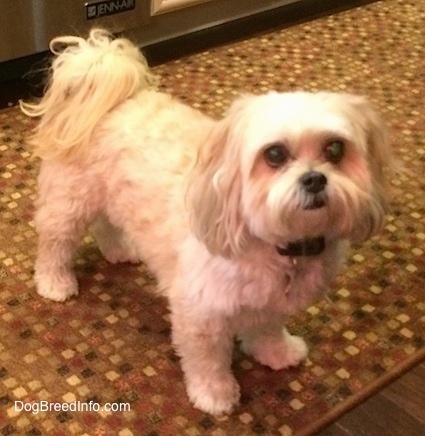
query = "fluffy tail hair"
{"x": 88, "y": 78}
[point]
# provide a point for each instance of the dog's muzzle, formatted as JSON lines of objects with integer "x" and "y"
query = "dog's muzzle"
{"x": 313, "y": 183}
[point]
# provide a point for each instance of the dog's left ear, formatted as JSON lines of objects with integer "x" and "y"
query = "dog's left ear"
{"x": 215, "y": 187}
{"x": 380, "y": 155}
{"x": 381, "y": 162}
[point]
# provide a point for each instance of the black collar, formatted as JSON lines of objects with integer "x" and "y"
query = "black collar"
{"x": 304, "y": 247}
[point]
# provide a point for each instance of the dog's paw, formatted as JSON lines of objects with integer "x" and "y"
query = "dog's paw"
{"x": 113, "y": 244}
{"x": 56, "y": 287}
{"x": 277, "y": 352}
{"x": 217, "y": 396}
{"x": 119, "y": 254}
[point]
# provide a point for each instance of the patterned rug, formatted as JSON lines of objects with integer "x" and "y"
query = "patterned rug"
{"x": 111, "y": 345}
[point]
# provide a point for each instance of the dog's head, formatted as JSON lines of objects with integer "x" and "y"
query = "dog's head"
{"x": 285, "y": 167}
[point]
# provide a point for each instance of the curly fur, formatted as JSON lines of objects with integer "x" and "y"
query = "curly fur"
{"x": 87, "y": 80}
{"x": 198, "y": 201}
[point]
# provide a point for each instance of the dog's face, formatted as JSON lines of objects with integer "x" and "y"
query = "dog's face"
{"x": 284, "y": 167}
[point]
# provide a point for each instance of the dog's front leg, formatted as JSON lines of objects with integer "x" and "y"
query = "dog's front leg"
{"x": 205, "y": 346}
{"x": 271, "y": 345}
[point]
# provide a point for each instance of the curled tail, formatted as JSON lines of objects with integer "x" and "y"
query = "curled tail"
{"x": 88, "y": 78}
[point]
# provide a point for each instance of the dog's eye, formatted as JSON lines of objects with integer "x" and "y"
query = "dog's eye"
{"x": 334, "y": 151}
{"x": 276, "y": 155}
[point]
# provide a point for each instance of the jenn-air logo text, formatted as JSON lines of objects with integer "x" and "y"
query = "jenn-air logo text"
{"x": 108, "y": 7}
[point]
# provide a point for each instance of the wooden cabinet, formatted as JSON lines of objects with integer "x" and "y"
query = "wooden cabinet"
{"x": 174, "y": 18}
{"x": 162, "y": 6}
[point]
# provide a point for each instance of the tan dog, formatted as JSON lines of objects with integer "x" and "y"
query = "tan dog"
{"x": 244, "y": 220}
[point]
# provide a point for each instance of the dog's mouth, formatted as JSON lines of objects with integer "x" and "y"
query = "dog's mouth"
{"x": 314, "y": 202}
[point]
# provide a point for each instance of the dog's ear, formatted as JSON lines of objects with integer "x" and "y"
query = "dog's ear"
{"x": 215, "y": 187}
{"x": 381, "y": 157}
{"x": 381, "y": 162}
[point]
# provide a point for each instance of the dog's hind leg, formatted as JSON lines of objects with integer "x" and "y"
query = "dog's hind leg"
{"x": 113, "y": 243}
{"x": 62, "y": 217}
{"x": 58, "y": 237}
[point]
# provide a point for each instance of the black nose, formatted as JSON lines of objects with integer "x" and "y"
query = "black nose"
{"x": 313, "y": 182}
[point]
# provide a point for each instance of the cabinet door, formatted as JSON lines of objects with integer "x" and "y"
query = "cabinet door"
{"x": 161, "y": 6}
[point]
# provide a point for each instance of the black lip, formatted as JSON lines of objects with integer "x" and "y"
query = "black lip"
{"x": 316, "y": 203}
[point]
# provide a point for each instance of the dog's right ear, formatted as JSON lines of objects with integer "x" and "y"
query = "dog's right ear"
{"x": 215, "y": 187}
